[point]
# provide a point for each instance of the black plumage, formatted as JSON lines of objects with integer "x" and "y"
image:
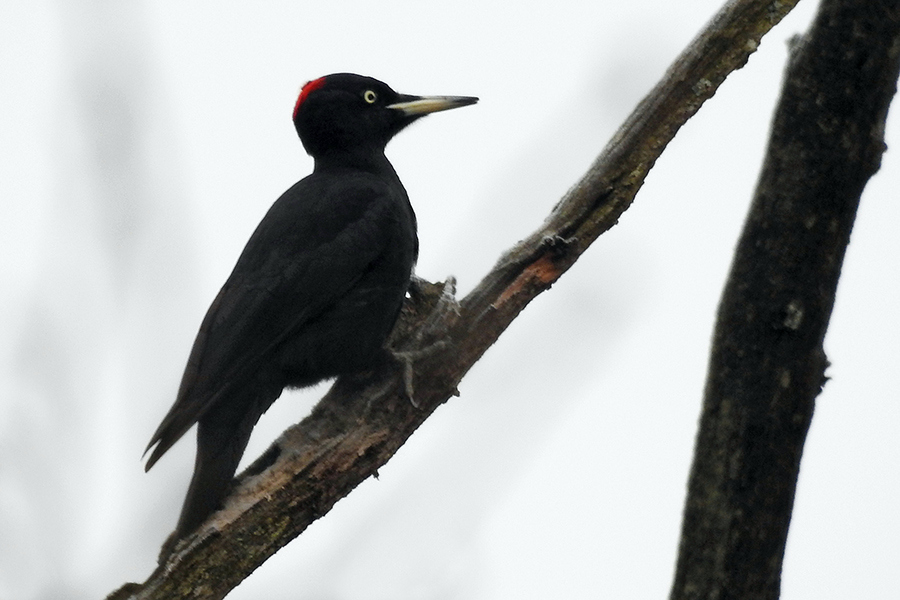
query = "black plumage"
{"x": 316, "y": 290}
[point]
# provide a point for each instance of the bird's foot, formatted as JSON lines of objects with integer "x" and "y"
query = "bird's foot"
{"x": 407, "y": 359}
{"x": 444, "y": 314}
{"x": 430, "y": 336}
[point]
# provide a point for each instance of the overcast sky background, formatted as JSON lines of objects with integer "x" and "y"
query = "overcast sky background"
{"x": 140, "y": 144}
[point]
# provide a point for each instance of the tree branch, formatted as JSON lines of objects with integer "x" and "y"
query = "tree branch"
{"x": 362, "y": 421}
{"x": 768, "y": 363}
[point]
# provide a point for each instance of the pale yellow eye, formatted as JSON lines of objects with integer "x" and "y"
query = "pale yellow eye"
{"x": 370, "y": 96}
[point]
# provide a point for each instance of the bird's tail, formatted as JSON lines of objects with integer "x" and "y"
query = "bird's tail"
{"x": 219, "y": 450}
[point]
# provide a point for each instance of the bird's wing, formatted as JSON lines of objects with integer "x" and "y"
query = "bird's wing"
{"x": 305, "y": 255}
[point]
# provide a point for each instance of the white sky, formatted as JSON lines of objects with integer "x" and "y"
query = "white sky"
{"x": 140, "y": 143}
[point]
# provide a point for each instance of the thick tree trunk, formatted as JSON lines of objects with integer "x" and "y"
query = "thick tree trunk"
{"x": 768, "y": 363}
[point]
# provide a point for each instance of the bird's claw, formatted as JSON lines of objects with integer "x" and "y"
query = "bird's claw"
{"x": 407, "y": 358}
{"x": 445, "y": 312}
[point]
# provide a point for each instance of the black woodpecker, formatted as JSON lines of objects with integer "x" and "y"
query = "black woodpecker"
{"x": 317, "y": 289}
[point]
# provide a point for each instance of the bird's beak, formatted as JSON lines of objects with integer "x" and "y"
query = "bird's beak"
{"x": 415, "y": 106}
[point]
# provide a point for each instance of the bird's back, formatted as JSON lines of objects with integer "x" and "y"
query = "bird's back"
{"x": 313, "y": 295}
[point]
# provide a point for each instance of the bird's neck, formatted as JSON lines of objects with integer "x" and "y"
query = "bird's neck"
{"x": 365, "y": 160}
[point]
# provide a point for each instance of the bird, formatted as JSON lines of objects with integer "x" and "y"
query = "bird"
{"x": 317, "y": 289}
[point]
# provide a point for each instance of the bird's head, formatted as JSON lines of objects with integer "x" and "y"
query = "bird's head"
{"x": 347, "y": 113}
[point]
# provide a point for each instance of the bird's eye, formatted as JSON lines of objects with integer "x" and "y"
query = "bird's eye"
{"x": 370, "y": 96}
